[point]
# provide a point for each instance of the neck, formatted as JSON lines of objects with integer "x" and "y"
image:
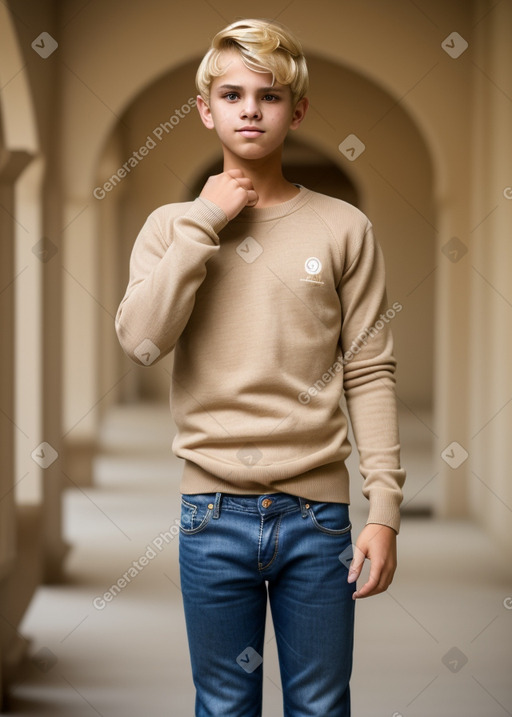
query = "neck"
{"x": 266, "y": 175}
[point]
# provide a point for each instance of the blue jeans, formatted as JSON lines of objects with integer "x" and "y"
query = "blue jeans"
{"x": 231, "y": 546}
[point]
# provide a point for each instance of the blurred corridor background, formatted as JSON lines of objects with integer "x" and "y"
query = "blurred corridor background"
{"x": 411, "y": 121}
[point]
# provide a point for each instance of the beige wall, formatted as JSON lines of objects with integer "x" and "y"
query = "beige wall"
{"x": 490, "y": 305}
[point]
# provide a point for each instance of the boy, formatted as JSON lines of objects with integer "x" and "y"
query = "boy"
{"x": 273, "y": 297}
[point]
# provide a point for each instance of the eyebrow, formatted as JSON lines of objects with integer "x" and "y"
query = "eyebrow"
{"x": 260, "y": 89}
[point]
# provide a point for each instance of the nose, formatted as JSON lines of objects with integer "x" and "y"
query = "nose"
{"x": 250, "y": 108}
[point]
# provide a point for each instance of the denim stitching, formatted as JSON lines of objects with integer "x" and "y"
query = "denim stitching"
{"x": 262, "y": 567}
{"x": 193, "y": 512}
{"x": 202, "y": 525}
{"x": 216, "y": 511}
{"x": 328, "y": 531}
{"x": 260, "y": 537}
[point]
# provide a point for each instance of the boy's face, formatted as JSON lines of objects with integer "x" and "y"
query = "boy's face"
{"x": 241, "y": 99}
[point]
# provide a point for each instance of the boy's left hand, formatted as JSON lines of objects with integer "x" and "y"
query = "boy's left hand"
{"x": 378, "y": 544}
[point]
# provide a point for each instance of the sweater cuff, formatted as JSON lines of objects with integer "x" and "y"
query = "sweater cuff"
{"x": 207, "y": 212}
{"x": 385, "y": 509}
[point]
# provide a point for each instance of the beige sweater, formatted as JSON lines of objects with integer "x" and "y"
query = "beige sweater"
{"x": 271, "y": 316}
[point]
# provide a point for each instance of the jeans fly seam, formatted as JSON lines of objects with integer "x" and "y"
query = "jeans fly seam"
{"x": 260, "y": 538}
{"x": 262, "y": 567}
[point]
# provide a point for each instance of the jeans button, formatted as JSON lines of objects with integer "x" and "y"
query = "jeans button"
{"x": 266, "y": 502}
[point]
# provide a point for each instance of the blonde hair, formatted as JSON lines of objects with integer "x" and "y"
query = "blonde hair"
{"x": 264, "y": 46}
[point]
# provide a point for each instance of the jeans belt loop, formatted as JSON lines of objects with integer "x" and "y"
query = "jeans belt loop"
{"x": 303, "y": 507}
{"x": 216, "y": 506}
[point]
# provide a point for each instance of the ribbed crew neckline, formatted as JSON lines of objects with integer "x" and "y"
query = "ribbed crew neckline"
{"x": 276, "y": 211}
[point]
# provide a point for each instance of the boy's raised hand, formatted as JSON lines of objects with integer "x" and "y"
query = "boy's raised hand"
{"x": 230, "y": 191}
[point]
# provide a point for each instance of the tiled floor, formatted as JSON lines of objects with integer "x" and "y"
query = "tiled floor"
{"x": 438, "y": 644}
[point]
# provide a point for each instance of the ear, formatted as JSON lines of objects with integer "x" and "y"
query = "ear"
{"x": 299, "y": 112}
{"x": 204, "y": 112}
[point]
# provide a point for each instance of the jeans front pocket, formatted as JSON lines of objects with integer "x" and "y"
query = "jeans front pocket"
{"x": 196, "y": 512}
{"x": 331, "y": 518}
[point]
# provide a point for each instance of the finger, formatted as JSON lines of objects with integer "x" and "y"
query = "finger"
{"x": 235, "y": 173}
{"x": 244, "y": 182}
{"x": 371, "y": 586}
{"x": 378, "y": 582}
{"x": 368, "y": 589}
{"x": 356, "y": 565}
{"x": 252, "y": 198}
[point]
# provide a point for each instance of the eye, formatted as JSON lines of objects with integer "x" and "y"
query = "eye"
{"x": 231, "y": 96}
{"x": 271, "y": 98}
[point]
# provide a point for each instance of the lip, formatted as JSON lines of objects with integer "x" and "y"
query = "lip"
{"x": 250, "y": 132}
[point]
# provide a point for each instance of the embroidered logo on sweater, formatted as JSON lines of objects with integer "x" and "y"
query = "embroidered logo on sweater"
{"x": 313, "y": 267}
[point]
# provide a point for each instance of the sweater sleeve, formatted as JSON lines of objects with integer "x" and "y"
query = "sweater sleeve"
{"x": 167, "y": 266}
{"x": 369, "y": 378}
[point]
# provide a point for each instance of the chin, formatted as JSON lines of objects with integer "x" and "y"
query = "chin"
{"x": 251, "y": 153}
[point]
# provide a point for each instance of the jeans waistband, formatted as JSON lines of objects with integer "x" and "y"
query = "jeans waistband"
{"x": 266, "y": 504}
